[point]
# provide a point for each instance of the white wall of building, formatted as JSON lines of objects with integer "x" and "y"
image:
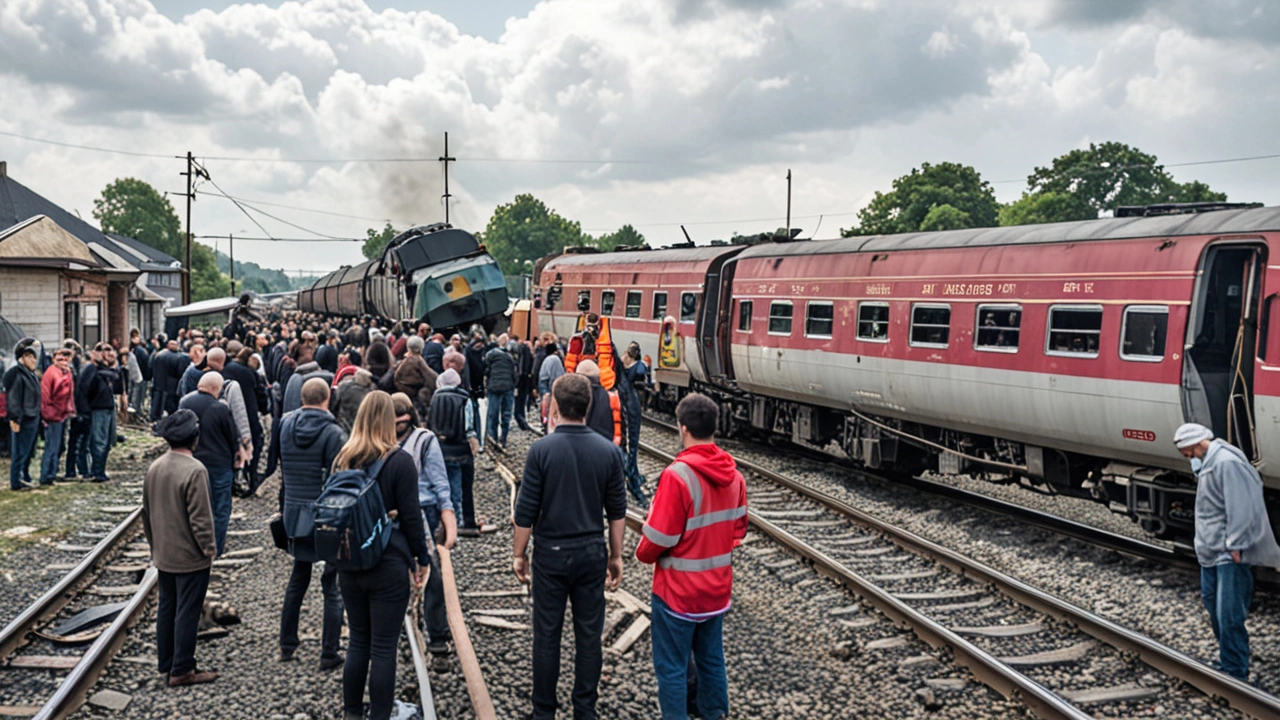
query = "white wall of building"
{"x": 30, "y": 298}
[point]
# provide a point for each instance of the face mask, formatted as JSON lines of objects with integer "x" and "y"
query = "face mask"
{"x": 1196, "y": 464}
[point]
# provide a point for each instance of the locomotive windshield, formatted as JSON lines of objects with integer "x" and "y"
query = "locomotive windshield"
{"x": 459, "y": 292}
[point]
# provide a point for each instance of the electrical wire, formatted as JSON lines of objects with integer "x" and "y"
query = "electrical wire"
{"x": 244, "y": 204}
{"x": 272, "y": 238}
{"x": 295, "y": 207}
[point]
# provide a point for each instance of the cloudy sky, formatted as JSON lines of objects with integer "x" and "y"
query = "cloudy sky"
{"x": 650, "y": 112}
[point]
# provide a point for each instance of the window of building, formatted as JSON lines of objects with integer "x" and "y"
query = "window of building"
{"x": 1143, "y": 333}
{"x": 744, "y": 316}
{"x": 873, "y": 321}
{"x": 1074, "y": 330}
{"x": 584, "y": 301}
{"x": 780, "y": 318}
{"x": 633, "y": 303}
{"x": 659, "y": 305}
{"x": 998, "y": 328}
{"x": 819, "y": 317}
{"x": 930, "y": 325}
{"x": 688, "y": 307}
{"x": 606, "y": 302}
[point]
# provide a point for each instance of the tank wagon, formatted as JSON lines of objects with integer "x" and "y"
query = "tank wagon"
{"x": 436, "y": 274}
{"x": 1063, "y": 353}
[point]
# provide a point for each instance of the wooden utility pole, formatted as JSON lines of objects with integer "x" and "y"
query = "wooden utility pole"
{"x": 788, "y": 204}
{"x": 445, "y": 159}
{"x": 231, "y": 250}
{"x": 186, "y": 264}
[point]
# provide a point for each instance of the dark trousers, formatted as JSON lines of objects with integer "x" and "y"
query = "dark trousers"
{"x": 178, "y": 618}
{"x": 53, "y": 434}
{"x": 22, "y": 446}
{"x": 568, "y": 572}
{"x": 375, "y": 600}
{"x": 78, "y": 447}
{"x": 158, "y": 401}
{"x": 101, "y": 437}
{"x": 255, "y": 432}
{"x": 273, "y": 450}
{"x": 524, "y": 397}
{"x": 462, "y": 477}
{"x": 299, "y": 581}
{"x": 1226, "y": 591}
{"x": 433, "y": 607}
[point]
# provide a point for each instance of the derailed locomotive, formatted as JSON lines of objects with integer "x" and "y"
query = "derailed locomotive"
{"x": 1065, "y": 353}
{"x": 436, "y": 274}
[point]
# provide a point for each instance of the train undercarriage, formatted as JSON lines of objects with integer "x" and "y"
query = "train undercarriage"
{"x": 1160, "y": 500}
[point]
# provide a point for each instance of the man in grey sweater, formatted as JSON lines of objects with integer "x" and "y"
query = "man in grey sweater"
{"x": 177, "y": 518}
{"x": 1233, "y": 532}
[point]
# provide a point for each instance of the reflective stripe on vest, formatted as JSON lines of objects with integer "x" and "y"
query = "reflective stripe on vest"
{"x": 667, "y": 562}
{"x": 615, "y": 406}
{"x": 659, "y": 538}
{"x": 699, "y": 520}
{"x": 712, "y": 518}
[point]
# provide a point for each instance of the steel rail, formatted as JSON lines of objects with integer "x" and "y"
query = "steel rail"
{"x": 1237, "y": 694}
{"x": 14, "y": 635}
{"x": 73, "y": 690}
{"x": 411, "y": 630}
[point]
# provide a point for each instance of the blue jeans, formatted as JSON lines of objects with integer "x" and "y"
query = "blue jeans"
{"x": 52, "y": 452}
{"x": 504, "y": 403}
{"x": 673, "y": 639}
{"x": 22, "y": 445}
{"x": 1226, "y": 590}
{"x": 462, "y": 475}
{"x": 220, "y": 497}
{"x": 78, "y": 447}
{"x": 100, "y": 439}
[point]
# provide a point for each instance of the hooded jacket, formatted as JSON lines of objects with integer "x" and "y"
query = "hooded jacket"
{"x": 57, "y": 395}
{"x": 1230, "y": 511}
{"x": 499, "y": 371}
{"x": 22, "y": 393}
{"x": 348, "y": 396}
{"x": 698, "y": 516}
{"x": 293, "y": 390}
{"x": 310, "y": 439}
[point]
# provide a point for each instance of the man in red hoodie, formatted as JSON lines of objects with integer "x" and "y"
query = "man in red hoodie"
{"x": 698, "y": 516}
{"x": 58, "y": 402}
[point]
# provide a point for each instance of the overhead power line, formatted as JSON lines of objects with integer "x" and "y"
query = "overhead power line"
{"x": 295, "y": 207}
{"x": 272, "y": 238}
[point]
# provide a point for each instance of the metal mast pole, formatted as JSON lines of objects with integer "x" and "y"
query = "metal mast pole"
{"x": 231, "y": 247}
{"x": 186, "y": 265}
{"x": 446, "y": 160}
{"x": 788, "y": 204}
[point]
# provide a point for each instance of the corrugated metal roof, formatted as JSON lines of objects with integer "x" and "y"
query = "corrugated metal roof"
{"x": 693, "y": 254}
{"x": 1220, "y": 222}
{"x": 151, "y": 258}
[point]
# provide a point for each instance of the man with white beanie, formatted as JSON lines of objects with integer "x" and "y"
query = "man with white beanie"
{"x": 1233, "y": 532}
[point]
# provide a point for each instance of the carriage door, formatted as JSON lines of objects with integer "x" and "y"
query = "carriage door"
{"x": 713, "y": 323}
{"x": 1218, "y": 373}
{"x": 1267, "y": 372}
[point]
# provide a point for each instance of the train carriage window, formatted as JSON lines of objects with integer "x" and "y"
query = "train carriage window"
{"x": 1143, "y": 333}
{"x": 930, "y": 325}
{"x": 873, "y": 322}
{"x": 659, "y": 305}
{"x": 1074, "y": 330}
{"x": 633, "y": 303}
{"x": 999, "y": 327}
{"x": 744, "y": 315}
{"x": 606, "y": 302}
{"x": 688, "y": 307}
{"x": 584, "y": 300}
{"x": 780, "y": 318}
{"x": 819, "y": 317}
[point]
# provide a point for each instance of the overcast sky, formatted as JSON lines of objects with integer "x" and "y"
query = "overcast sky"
{"x": 684, "y": 111}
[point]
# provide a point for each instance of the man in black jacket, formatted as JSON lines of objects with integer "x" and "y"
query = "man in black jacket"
{"x": 572, "y": 478}
{"x": 97, "y": 381}
{"x": 166, "y": 370}
{"x": 216, "y": 450}
{"x": 524, "y": 382}
{"x": 499, "y": 387}
{"x": 255, "y": 403}
{"x": 310, "y": 439}
{"x": 22, "y": 398}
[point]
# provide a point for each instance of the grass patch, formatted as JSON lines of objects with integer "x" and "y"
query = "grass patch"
{"x": 47, "y": 512}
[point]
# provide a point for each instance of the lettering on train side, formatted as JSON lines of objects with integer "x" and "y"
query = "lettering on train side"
{"x": 1144, "y": 435}
{"x": 968, "y": 288}
{"x": 1076, "y": 288}
{"x": 879, "y": 289}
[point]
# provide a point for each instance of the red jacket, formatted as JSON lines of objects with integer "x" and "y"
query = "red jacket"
{"x": 696, "y": 520}
{"x": 57, "y": 395}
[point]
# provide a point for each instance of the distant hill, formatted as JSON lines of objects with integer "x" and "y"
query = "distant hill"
{"x": 252, "y": 276}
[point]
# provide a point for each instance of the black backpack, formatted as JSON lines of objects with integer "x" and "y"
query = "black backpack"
{"x": 447, "y": 416}
{"x": 351, "y": 527}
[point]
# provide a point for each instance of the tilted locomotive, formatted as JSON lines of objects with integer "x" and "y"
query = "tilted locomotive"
{"x": 436, "y": 274}
{"x": 1066, "y": 353}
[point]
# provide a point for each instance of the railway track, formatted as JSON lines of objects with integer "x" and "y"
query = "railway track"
{"x": 927, "y": 587}
{"x": 33, "y": 650}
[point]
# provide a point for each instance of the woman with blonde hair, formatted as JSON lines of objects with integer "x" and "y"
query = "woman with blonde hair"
{"x": 376, "y": 599}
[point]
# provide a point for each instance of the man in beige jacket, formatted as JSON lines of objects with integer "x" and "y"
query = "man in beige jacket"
{"x": 177, "y": 517}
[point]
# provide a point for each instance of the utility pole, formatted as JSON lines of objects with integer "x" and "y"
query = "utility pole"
{"x": 788, "y": 204}
{"x": 231, "y": 249}
{"x": 445, "y": 159}
{"x": 186, "y": 264}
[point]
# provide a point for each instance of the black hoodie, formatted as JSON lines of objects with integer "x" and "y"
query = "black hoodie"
{"x": 309, "y": 441}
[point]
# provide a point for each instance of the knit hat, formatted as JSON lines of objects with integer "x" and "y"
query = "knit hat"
{"x": 179, "y": 428}
{"x": 1191, "y": 434}
{"x": 449, "y": 378}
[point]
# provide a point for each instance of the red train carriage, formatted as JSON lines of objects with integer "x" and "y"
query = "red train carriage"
{"x": 1067, "y": 353}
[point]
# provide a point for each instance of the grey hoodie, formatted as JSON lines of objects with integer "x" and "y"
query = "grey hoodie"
{"x": 1230, "y": 511}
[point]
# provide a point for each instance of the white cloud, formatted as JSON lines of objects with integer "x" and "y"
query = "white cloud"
{"x": 719, "y": 98}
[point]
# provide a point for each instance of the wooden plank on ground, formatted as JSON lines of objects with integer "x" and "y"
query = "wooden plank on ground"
{"x": 481, "y": 704}
{"x": 44, "y": 662}
{"x": 633, "y": 633}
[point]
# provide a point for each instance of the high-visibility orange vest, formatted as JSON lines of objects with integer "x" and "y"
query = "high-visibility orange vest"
{"x": 604, "y": 357}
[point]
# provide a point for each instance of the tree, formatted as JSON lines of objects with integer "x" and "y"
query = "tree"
{"x": 525, "y": 230}
{"x": 133, "y": 208}
{"x": 377, "y": 241}
{"x": 206, "y": 282}
{"x": 947, "y": 195}
{"x": 1112, "y": 174}
{"x": 1046, "y": 207}
{"x": 625, "y": 235}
